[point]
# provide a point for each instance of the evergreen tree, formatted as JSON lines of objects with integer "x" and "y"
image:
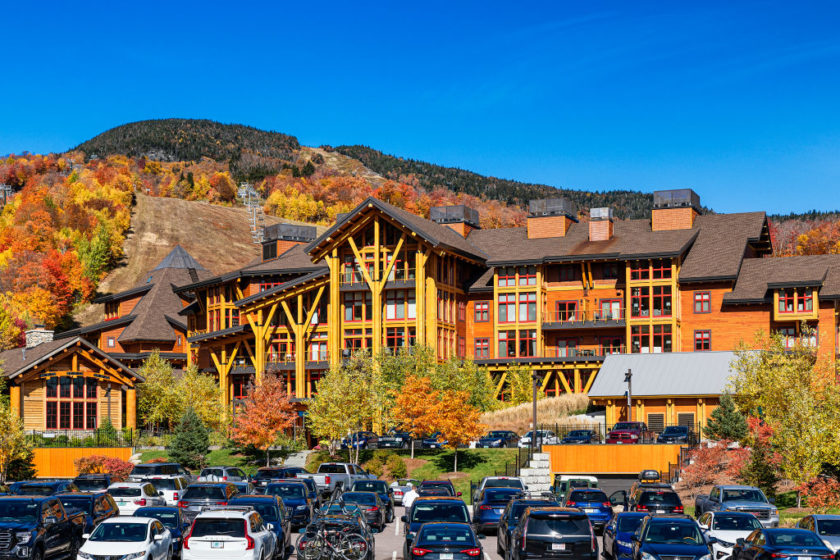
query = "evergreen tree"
{"x": 22, "y": 468}
{"x": 191, "y": 441}
{"x": 759, "y": 471}
{"x": 726, "y": 421}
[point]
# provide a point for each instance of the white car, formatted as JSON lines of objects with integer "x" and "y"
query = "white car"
{"x": 727, "y": 527}
{"x": 544, "y": 437}
{"x": 229, "y": 533}
{"x": 171, "y": 486}
{"x": 132, "y": 495}
{"x": 129, "y": 538}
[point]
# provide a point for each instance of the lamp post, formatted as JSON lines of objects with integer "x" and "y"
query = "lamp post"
{"x": 534, "y": 377}
{"x": 628, "y": 378}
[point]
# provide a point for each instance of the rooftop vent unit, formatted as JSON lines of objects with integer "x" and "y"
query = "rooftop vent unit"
{"x": 552, "y": 207}
{"x": 601, "y": 213}
{"x": 290, "y": 232}
{"x": 676, "y": 198}
{"x": 455, "y": 215}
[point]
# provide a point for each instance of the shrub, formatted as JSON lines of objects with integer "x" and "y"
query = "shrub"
{"x": 106, "y": 432}
{"x": 396, "y": 466}
{"x": 117, "y": 468}
{"x": 821, "y": 493}
{"x": 382, "y": 455}
{"x": 375, "y": 467}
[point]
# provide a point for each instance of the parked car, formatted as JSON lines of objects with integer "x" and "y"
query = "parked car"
{"x": 273, "y": 512}
{"x": 222, "y": 474}
{"x": 630, "y": 432}
{"x": 488, "y": 506}
{"x": 243, "y": 487}
{"x": 202, "y": 494}
{"x": 427, "y": 510}
{"x": 581, "y": 436}
{"x": 295, "y": 497}
{"x": 92, "y": 482}
{"x": 618, "y": 534}
{"x": 44, "y": 487}
{"x": 131, "y": 495}
{"x": 400, "y": 487}
{"x": 386, "y": 494}
{"x": 38, "y": 528}
{"x": 96, "y": 507}
{"x": 553, "y": 532}
{"x": 499, "y": 482}
{"x": 677, "y": 434}
{"x": 544, "y": 437}
{"x": 563, "y": 484}
{"x": 827, "y": 528}
{"x": 128, "y": 537}
{"x": 362, "y": 440}
{"x": 373, "y": 507}
{"x": 145, "y": 470}
{"x": 655, "y": 500}
{"x": 510, "y": 518}
{"x": 594, "y": 503}
{"x": 427, "y": 484}
{"x": 498, "y": 438}
{"x": 312, "y": 490}
{"x": 171, "y": 486}
{"x": 229, "y": 533}
{"x": 336, "y": 475}
{"x": 726, "y": 527}
{"x": 434, "y": 441}
{"x": 172, "y": 518}
{"x": 455, "y": 541}
{"x": 670, "y": 536}
{"x": 395, "y": 440}
{"x": 738, "y": 498}
{"x": 767, "y": 544}
{"x": 264, "y": 475}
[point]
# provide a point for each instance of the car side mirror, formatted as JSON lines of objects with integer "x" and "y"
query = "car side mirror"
{"x": 160, "y": 493}
{"x": 404, "y": 518}
{"x": 157, "y": 538}
{"x": 712, "y": 540}
{"x": 270, "y": 526}
{"x": 85, "y": 536}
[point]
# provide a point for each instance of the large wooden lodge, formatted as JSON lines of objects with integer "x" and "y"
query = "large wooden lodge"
{"x": 558, "y": 295}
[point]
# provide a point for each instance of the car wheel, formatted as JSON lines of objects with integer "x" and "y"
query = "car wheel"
{"x": 169, "y": 554}
{"x": 38, "y": 554}
{"x": 499, "y": 549}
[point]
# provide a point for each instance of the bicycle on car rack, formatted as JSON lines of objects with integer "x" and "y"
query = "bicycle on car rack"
{"x": 334, "y": 535}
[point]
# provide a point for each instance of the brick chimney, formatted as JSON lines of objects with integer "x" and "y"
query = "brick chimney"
{"x": 38, "y": 335}
{"x": 460, "y": 219}
{"x": 550, "y": 217}
{"x": 279, "y": 238}
{"x": 600, "y": 224}
{"x": 674, "y": 209}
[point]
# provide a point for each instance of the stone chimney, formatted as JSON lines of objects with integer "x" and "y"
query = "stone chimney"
{"x": 674, "y": 209}
{"x": 38, "y": 335}
{"x": 279, "y": 238}
{"x": 600, "y": 224}
{"x": 550, "y": 217}
{"x": 460, "y": 219}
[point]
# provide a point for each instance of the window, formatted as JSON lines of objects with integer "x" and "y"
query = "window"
{"x": 527, "y": 343}
{"x": 411, "y": 304}
{"x": 685, "y": 419}
{"x": 610, "y": 345}
{"x": 567, "y": 348}
{"x": 609, "y": 271}
{"x": 482, "y": 348}
{"x": 805, "y": 301}
{"x": 661, "y": 338}
{"x": 357, "y": 306}
{"x": 566, "y": 311}
{"x": 112, "y": 342}
{"x": 639, "y": 339}
{"x": 528, "y": 276}
{"x": 395, "y": 338}
{"x": 507, "y": 344}
{"x": 269, "y": 250}
{"x": 661, "y": 269}
{"x": 71, "y": 403}
{"x": 640, "y": 302}
{"x": 112, "y": 310}
{"x": 64, "y": 415}
{"x": 639, "y": 270}
{"x": 462, "y": 347}
{"x": 395, "y": 304}
{"x": 265, "y": 286}
{"x": 507, "y": 308}
{"x": 702, "y": 341}
{"x": 462, "y": 311}
{"x": 507, "y": 277}
{"x": 788, "y": 336}
{"x": 412, "y": 336}
{"x": 662, "y": 301}
{"x": 318, "y": 347}
{"x": 786, "y": 299}
{"x": 482, "y": 313}
{"x": 527, "y": 307}
{"x": 611, "y": 309}
{"x": 568, "y": 273}
{"x": 702, "y": 302}
{"x": 356, "y": 339}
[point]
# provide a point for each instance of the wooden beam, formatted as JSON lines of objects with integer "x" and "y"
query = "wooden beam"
{"x": 394, "y": 258}
{"x": 361, "y": 262}
{"x": 315, "y": 303}
{"x": 592, "y": 375}
{"x": 565, "y": 383}
{"x": 500, "y": 385}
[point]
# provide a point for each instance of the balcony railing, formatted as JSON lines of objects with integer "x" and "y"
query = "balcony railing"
{"x": 355, "y": 277}
{"x": 319, "y": 355}
{"x": 580, "y": 316}
{"x": 567, "y": 352}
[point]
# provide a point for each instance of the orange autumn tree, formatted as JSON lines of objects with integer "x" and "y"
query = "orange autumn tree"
{"x": 457, "y": 421}
{"x": 412, "y": 410}
{"x": 266, "y": 412}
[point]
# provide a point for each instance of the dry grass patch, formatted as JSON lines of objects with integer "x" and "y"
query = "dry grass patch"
{"x": 550, "y": 410}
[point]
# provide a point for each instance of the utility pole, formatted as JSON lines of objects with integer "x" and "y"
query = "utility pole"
{"x": 628, "y": 378}
{"x": 534, "y": 378}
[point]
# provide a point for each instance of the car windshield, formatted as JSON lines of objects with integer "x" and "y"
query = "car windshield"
{"x": 497, "y": 434}
{"x": 168, "y": 518}
{"x": 629, "y": 524}
{"x": 365, "y": 498}
{"x": 578, "y": 433}
{"x": 545, "y": 525}
{"x": 124, "y": 491}
{"x": 435, "y": 491}
{"x": 216, "y": 526}
{"x": 588, "y": 496}
{"x": 267, "y": 511}
{"x": 85, "y": 484}
{"x": 499, "y": 495}
{"x": 119, "y": 532}
{"x": 675, "y": 430}
{"x": 204, "y": 493}
{"x": 18, "y": 511}
{"x": 673, "y": 533}
{"x": 164, "y": 484}
{"x": 659, "y": 498}
{"x": 454, "y": 513}
{"x": 332, "y": 469}
{"x": 503, "y": 483}
{"x": 794, "y": 539}
{"x": 148, "y": 470}
{"x": 743, "y": 495}
{"x": 445, "y": 535}
{"x": 724, "y": 522}
{"x": 287, "y": 490}
{"x": 370, "y": 486}
{"x": 83, "y": 503}
{"x": 269, "y": 474}
{"x": 626, "y": 426}
{"x": 828, "y": 527}
{"x": 33, "y": 490}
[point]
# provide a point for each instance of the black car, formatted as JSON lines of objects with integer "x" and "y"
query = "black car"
{"x": 386, "y": 494}
{"x": 553, "y": 532}
{"x": 265, "y": 475}
{"x": 430, "y": 484}
{"x": 655, "y": 500}
{"x": 92, "y": 482}
{"x": 428, "y": 510}
{"x": 677, "y": 434}
{"x": 362, "y": 440}
{"x": 172, "y": 518}
{"x": 273, "y": 512}
{"x": 454, "y": 541}
{"x": 395, "y": 440}
{"x": 44, "y": 487}
{"x": 670, "y": 536}
{"x": 766, "y": 544}
{"x": 581, "y": 436}
{"x": 375, "y": 511}
{"x": 510, "y": 518}
{"x": 97, "y": 507}
{"x": 197, "y": 496}
{"x": 498, "y": 438}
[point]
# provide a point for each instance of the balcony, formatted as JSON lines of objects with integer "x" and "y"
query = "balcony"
{"x": 315, "y": 359}
{"x": 579, "y": 319}
{"x": 355, "y": 280}
{"x": 557, "y": 356}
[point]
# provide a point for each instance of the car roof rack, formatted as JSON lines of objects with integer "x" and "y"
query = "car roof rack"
{"x": 242, "y": 508}
{"x": 536, "y": 496}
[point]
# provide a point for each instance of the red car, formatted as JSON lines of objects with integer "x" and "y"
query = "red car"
{"x": 630, "y": 432}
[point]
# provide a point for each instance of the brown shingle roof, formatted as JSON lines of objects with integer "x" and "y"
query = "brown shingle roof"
{"x": 719, "y": 249}
{"x": 293, "y": 259}
{"x": 17, "y": 361}
{"x": 759, "y": 276}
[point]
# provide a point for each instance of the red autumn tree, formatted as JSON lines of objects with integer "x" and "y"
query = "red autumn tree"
{"x": 266, "y": 412}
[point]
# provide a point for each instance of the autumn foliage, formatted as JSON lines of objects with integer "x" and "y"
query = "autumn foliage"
{"x": 822, "y": 493}
{"x": 265, "y": 413}
{"x": 117, "y": 468}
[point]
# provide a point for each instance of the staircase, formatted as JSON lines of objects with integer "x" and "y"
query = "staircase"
{"x": 537, "y": 475}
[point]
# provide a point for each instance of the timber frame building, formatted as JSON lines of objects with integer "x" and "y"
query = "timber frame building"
{"x": 556, "y": 296}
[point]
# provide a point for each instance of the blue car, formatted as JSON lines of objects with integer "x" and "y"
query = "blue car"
{"x": 43, "y": 487}
{"x": 97, "y": 507}
{"x": 581, "y": 436}
{"x": 362, "y": 440}
{"x": 295, "y": 496}
{"x": 489, "y": 506}
{"x": 273, "y": 512}
{"x": 432, "y": 442}
{"x": 594, "y": 502}
{"x": 172, "y": 518}
{"x": 618, "y": 534}
{"x": 670, "y": 536}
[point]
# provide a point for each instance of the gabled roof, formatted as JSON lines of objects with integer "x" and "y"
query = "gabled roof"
{"x": 19, "y": 360}
{"x": 179, "y": 258}
{"x": 282, "y": 287}
{"x": 100, "y": 326}
{"x": 759, "y": 276}
{"x": 434, "y": 233}
{"x": 720, "y": 248}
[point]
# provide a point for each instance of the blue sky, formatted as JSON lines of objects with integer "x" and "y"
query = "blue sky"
{"x": 738, "y": 100}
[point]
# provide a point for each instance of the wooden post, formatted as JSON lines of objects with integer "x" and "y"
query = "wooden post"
{"x": 431, "y": 303}
{"x": 14, "y": 399}
{"x": 131, "y": 408}
{"x": 300, "y": 351}
{"x": 334, "y": 312}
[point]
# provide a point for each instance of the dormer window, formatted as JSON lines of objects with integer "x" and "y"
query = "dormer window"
{"x": 805, "y": 302}
{"x": 112, "y": 310}
{"x": 786, "y": 301}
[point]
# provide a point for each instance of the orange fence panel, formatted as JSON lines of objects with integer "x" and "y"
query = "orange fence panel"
{"x": 611, "y": 459}
{"x": 57, "y": 462}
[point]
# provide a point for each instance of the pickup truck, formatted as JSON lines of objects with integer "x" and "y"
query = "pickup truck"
{"x": 336, "y": 475}
{"x": 630, "y": 432}
{"x": 38, "y": 528}
{"x": 738, "y": 498}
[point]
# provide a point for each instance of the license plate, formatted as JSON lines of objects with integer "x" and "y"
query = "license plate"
{"x": 590, "y": 510}
{"x": 659, "y": 511}
{"x": 121, "y": 502}
{"x": 619, "y": 442}
{"x": 217, "y": 544}
{"x": 558, "y": 546}
{"x": 499, "y": 510}
{"x": 446, "y": 556}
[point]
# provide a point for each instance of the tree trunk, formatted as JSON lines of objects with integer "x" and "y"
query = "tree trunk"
{"x": 412, "y": 448}
{"x": 268, "y": 456}
{"x": 798, "y": 499}
{"x": 456, "y": 460}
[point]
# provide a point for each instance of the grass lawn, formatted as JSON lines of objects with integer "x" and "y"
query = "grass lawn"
{"x": 473, "y": 465}
{"x": 220, "y": 457}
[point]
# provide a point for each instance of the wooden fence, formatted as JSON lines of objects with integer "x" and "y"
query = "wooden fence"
{"x": 611, "y": 459}
{"x": 57, "y": 462}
